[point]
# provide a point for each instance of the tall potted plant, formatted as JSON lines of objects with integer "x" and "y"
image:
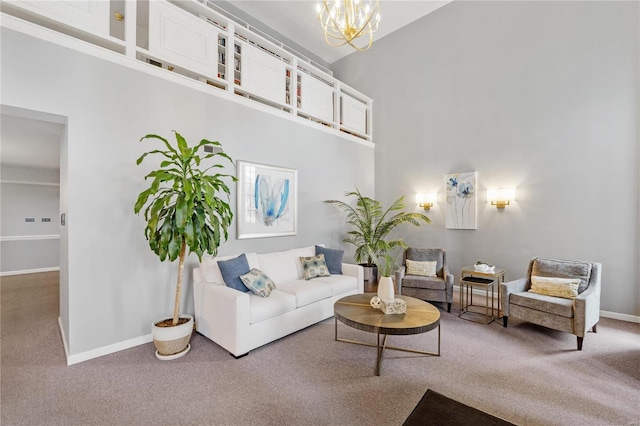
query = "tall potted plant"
{"x": 185, "y": 207}
{"x": 371, "y": 225}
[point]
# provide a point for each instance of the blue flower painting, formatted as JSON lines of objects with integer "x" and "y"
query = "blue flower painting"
{"x": 271, "y": 197}
{"x": 267, "y": 200}
{"x": 461, "y": 201}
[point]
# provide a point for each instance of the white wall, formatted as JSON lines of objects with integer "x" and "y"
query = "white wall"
{"x": 542, "y": 96}
{"x": 29, "y": 245}
{"x": 116, "y": 286}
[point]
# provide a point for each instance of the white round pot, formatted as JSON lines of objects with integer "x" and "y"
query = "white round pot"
{"x": 172, "y": 342}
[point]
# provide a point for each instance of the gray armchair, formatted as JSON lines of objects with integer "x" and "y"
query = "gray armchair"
{"x": 435, "y": 289}
{"x": 575, "y": 316}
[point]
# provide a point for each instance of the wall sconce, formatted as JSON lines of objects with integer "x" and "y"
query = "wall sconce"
{"x": 501, "y": 197}
{"x": 427, "y": 201}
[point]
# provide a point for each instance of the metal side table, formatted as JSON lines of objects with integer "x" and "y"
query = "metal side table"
{"x": 466, "y": 298}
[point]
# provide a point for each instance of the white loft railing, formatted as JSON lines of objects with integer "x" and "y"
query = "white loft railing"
{"x": 196, "y": 39}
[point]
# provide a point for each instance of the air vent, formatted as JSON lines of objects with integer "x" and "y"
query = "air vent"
{"x": 209, "y": 149}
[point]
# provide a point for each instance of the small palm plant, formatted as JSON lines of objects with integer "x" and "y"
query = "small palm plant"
{"x": 183, "y": 207}
{"x": 387, "y": 264}
{"x": 372, "y": 223}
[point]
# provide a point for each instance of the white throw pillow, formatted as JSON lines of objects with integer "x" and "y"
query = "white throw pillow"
{"x": 426, "y": 269}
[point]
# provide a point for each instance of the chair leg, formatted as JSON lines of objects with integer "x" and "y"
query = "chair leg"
{"x": 580, "y": 339}
{"x": 504, "y": 321}
{"x": 449, "y": 309}
{"x": 594, "y": 328}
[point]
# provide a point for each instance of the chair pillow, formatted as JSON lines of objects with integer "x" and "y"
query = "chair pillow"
{"x": 563, "y": 269}
{"x": 314, "y": 266}
{"x": 333, "y": 259}
{"x": 232, "y": 269}
{"x": 553, "y": 286}
{"x": 425, "y": 269}
{"x": 258, "y": 282}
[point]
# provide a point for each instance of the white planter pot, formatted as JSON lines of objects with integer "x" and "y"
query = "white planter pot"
{"x": 385, "y": 289}
{"x": 172, "y": 342}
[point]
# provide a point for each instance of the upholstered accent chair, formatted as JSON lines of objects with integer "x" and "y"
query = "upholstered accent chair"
{"x": 575, "y": 312}
{"x": 437, "y": 288}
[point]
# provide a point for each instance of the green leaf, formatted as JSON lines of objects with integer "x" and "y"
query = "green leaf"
{"x": 181, "y": 212}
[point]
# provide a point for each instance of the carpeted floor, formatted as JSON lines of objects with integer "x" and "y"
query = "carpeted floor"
{"x": 524, "y": 374}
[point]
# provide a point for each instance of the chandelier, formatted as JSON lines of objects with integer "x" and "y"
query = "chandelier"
{"x": 345, "y": 20}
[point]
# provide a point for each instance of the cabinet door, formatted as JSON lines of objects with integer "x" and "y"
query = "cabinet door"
{"x": 317, "y": 98}
{"x": 182, "y": 39}
{"x": 88, "y": 15}
{"x": 354, "y": 114}
{"x": 263, "y": 75}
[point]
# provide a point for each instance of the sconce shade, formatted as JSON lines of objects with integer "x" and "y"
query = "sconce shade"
{"x": 427, "y": 200}
{"x": 501, "y": 197}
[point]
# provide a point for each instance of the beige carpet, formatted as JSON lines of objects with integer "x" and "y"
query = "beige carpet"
{"x": 524, "y": 374}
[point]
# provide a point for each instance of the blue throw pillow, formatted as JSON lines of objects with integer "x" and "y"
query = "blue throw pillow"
{"x": 333, "y": 259}
{"x": 232, "y": 269}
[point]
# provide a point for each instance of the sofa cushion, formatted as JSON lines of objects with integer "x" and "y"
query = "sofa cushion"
{"x": 258, "y": 282}
{"x": 543, "y": 303}
{"x": 339, "y": 283}
{"x": 563, "y": 269}
{"x": 314, "y": 267}
{"x": 211, "y": 271}
{"x": 297, "y": 253}
{"x": 281, "y": 266}
{"x": 231, "y": 271}
{"x": 262, "y": 308}
{"x": 333, "y": 258}
{"x": 417, "y": 281}
{"x": 557, "y": 287}
{"x": 425, "y": 269}
{"x": 306, "y": 292}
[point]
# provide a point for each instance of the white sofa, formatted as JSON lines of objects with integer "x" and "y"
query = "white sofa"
{"x": 240, "y": 322}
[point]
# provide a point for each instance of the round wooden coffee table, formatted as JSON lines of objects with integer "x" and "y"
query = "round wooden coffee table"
{"x": 356, "y": 312}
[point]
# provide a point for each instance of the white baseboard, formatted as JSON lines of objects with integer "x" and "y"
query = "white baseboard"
{"x": 621, "y": 317}
{"x": 64, "y": 339}
{"x": 29, "y": 271}
{"x": 106, "y": 350}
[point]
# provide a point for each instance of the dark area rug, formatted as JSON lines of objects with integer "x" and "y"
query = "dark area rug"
{"x": 436, "y": 409}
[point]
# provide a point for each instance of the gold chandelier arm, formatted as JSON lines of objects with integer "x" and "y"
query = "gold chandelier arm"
{"x": 340, "y": 25}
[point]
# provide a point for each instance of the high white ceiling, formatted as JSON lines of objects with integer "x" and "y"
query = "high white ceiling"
{"x": 297, "y": 20}
{"x": 28, "y": 142}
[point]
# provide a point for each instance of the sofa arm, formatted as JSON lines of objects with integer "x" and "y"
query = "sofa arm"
{"x": 355, "y": 271}
{"x": 448, "y": 283}
{"x": 400, "y": 273}
{"x": 222, "y": 315}
{"x": 587, "y": 306}
{"x": 507, "y": 288}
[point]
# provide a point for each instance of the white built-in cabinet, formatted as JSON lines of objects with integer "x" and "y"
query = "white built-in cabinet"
{"x": 86, "y": 15}
{"x": 190, "y": 38}
{"x": 263, "y": 75}
{"x": 177, "y": 37}
{"x": 317, "y": 97}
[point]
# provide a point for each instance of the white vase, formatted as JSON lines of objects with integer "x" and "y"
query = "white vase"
{"x": 385, "y": 289}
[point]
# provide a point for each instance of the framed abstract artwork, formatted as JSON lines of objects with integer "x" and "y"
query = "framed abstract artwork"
{"x": 267, "y": 199}
{"x": 461, "y": 197}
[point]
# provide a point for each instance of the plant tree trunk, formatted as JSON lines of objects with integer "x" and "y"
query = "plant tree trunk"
{"x": 176, "y": 306}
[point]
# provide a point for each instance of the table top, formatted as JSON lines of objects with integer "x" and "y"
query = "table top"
{"x": 355, "y": 311}
{"x": 472, "y": 270}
